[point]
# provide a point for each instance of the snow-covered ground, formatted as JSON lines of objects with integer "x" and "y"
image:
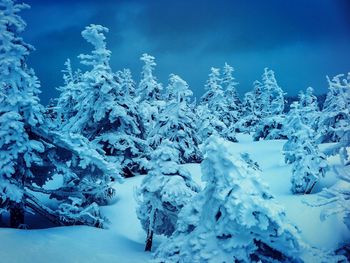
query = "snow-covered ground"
{"x": 124, "y": 240}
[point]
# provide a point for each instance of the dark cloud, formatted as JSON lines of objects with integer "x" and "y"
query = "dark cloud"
{"x": 302, "y": 40}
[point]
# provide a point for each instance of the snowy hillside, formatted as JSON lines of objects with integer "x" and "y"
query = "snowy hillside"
{"x": 124, "y": 240}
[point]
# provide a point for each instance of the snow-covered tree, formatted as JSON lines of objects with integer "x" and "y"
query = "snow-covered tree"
{"x": 309, "y": 107}
{"x": 270, "y": 125}
{"x": 30, "y": 155}
{"x": 163, "y": 193}
{"x": 19, "y": 111}
{"x": 334, "y": 122}
{"x": 234, "y": 219}
{"x": 213, "y": 110}
{"x": 70, "y": 93}
{"x": 106, "y": 113}
{"x": 309, "y": 164}
{"x": 251, "y": 109}
{"x": 149, "y": 95}
{"x": 176, "y": 122}
{"x": 272, "y": 96}
{"x": 232, "y": 100}
{"x": 86, "y": 179}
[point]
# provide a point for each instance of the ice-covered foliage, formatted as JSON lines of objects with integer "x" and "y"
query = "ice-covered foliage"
{"x": 105, "y": 111}
{"x": 234, "y": 219}
{"x": 251, "y": 113}
{"x": 231, "y": 97}
{"x": 30, "y": 155}
{"x": 308, "y": 163}
{"x": 213, "y": 111}
{"x": 20, "y": 110}
{"x": 272, "y": 97}
{"x": 149, "y": 95}
{"x": 309, "y": 108}
{"x": 70, "y": 92}
{"x": 271, "y": 106}
{"x": 334, "y": 123}
{"x": 270, "y": 128}
{"x": 208, "y": 123}
{"x": 163, "y": 193}
{"x": 176, "y": 122}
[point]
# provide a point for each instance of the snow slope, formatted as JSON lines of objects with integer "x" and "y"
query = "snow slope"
{"x": 124, "y": 240}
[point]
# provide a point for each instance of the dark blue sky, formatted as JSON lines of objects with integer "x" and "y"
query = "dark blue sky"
{"x": 301, "y": 40}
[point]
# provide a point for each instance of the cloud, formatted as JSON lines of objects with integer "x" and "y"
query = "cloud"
{"x": 188, "y": 37}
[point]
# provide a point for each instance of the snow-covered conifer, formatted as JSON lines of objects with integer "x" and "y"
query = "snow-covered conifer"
{"x": 234, "y": 219}
{"x": 163, "y": 193}
{"x": 308, "y": 163}
{"x": 213, "y": 109}
{"x": 272, "y": 95}
{"x": 309, "y": 108}
{"x": 19, "y": 111}
{"x": 70, "y": 93}
{"x": 106, "y": 113}
{"x": 232, "y": 100}
{"x": 270, "y": 125}
{"x": 149, "y": 95}
{"x": 334, "y": 123}
{"x": 251, "y": 109}
{"x": 176, "y": 122}
{"x": 30, "y": 155}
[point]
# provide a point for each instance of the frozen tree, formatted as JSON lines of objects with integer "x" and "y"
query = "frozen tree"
{"x": 234, "y": 219}
{"x": 208, "y": 123}
{"x": 334, "y": 123}
{"x": 176, "y": 122}
{"x": 309, "y": 107}
{"x": 19, "y": 111}
{"x": 272, "y": 96}
{"x": 149, "y": 95}
{"x": 30, "y": 155}
{"x": 251, "y": 109}
{"x": 308, "y": 163}
{"x": 87, "y": 179}
{"x": 128, "y": 85}
{"x": 271, "y": 109}
{"x": 70, "y": 93}
{"x": 234, "y": 104}
{"x": 106, "y": 113}
{"x": 336, "y": 201}
{"x": 163, "y": 193}
{"x": 213, "y": 109}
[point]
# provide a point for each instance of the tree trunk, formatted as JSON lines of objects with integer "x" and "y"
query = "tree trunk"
{"x": 16, "y": 215}
{"x": 149, "y": 240}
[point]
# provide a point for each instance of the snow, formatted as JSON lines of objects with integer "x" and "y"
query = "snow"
{"x": 124, "y": 240}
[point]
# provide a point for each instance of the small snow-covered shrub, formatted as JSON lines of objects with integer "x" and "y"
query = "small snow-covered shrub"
{"x": 164, "y": 192}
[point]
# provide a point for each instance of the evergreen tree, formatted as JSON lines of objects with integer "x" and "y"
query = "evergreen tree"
{"x": 251, "y": 113}
{"x": 309, "y": 164}
{"x": 233, "y": 103}
{"x": 234, "y": 219}
{"x": 70, "y": 93}
{"x": 176, "y": 122}
{"x": 272, "y": 96}
{"x": 163, "y": 193}
{"x": 309, "y": 108}
{"x": 149, "y": 94}
{"x": 19, "y": 111}
{"x": 270, "y": 125}
{"x": 30, "y": 155}
{"x": 214, "y": 110}
{"x": 334, "y": 123}
{"x": 106, "y": 113}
